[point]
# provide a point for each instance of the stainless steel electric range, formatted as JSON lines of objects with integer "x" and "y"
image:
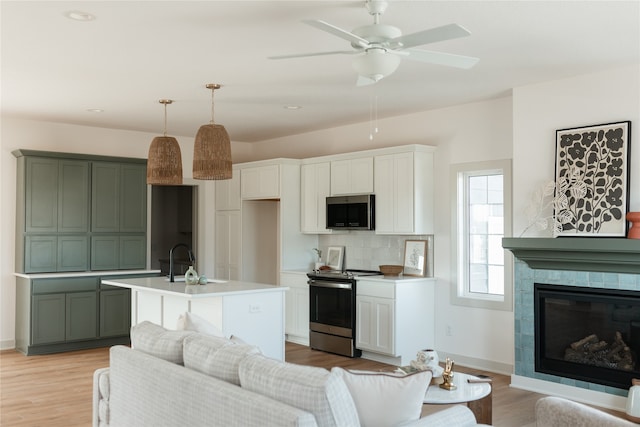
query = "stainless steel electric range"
{"x": 332, "y": 310}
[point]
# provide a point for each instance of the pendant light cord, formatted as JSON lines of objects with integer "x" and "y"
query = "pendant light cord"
{"x": 212, "y": 91}
{"x": 165, "y": 119}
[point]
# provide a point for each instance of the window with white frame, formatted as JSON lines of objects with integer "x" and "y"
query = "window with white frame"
{"x": 482, "y": 217}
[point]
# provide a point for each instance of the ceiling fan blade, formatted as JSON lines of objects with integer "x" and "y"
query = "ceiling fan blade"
{"x": 432, "y": 35}
{"x": 336, "y": 31}
{"x": 302, "y": 55}
{"x": 441, "y": 58}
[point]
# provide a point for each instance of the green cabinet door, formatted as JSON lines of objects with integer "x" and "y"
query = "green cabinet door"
{"x": 133, "y": 198}
{"x": 104, "y": 252}
{"x": 40, "y": 253}
{"x": 48, "y": 319}
{"x": 81, "y": 316}
{"x": 73, "y": 253}
{"x": 115, "y": 312}
{"x": 73, "y": 196}
{"x": 105, "y": 197}
{"x": 41, "y": 195}
{"x": 133, "y": 252}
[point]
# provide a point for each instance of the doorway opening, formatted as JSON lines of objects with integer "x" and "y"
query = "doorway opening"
{"x": 173, "y": 209}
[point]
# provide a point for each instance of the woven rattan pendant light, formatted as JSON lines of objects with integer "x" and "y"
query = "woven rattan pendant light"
{"x": 164, "y": 166}
{"x": 212, "y": 149}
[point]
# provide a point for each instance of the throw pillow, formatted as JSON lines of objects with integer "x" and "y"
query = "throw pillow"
{"x": 216, "y": 357}
{"x": 311, "y": 389}
{"x": 386, "y": 399}
{"x": 192, "y": 322}
{"x": 159, "y": 342}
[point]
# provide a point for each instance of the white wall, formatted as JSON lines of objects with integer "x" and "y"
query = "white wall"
{"x": 539, "y": 110}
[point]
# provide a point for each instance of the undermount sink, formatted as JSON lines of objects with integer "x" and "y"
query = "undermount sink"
{"x": 181, "y": 279}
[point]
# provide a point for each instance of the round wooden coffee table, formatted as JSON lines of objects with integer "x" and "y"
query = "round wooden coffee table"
{"x": 477, "y": 396}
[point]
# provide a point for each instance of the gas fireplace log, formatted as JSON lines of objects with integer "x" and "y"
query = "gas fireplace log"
{"x": 593, "y": 338}
{"x": 592, "y": 348}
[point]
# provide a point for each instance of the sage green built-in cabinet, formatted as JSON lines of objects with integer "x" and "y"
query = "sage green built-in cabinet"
{"x": 80, "y": 213}
{"x": 55, "y": 314}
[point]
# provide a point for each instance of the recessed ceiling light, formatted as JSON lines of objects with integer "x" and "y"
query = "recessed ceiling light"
{"x": 78, "y": 15}
{"x": 95, "y": 110}
{"x": 292, "y": 107}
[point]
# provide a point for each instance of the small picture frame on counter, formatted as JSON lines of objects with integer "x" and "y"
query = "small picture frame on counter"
{"x": 335, "y": 257}
{"x": 415, "y": 258}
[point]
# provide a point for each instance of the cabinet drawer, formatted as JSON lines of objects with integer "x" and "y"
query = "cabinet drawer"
{"x": 73, "y": 284}
{"x": 376, "y": 289}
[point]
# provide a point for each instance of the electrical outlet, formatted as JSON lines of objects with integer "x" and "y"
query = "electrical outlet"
{"x": 255, "y": 308}
{"x": 448, "y": 331}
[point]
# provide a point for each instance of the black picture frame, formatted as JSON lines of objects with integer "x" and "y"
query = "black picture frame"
{"x": 592, "y": 180}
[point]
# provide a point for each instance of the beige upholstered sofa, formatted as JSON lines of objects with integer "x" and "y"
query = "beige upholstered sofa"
{"x": 185, "y": 378}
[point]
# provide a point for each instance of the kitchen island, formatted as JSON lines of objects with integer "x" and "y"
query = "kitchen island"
{"x": 253, "y": 312}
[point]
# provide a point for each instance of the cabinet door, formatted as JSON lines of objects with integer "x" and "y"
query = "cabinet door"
{"x": 316, "y": 186}
{"x": 352, "y": 176}
{"x": 261, "y": 182}
{"x": 73, "y": 196}
{"x": 394, "y": 182}
{"x": 228, "y": 193}
{"x": 132, "y": 252}
{"x": 104, "y": 252}
{"x": 105, "y": 193}
{"x": 41, "y": 195}
{"x": 81, "y": 315}
{"x": 48, "y": 318}
{"x": 384, "y": 183}
{"x": 133, "y": 198}
{"x": 375, "y": 324}
{"x": 228, "y": 245}
{"x": 362, "y": 175}
{"x": 73, "y": 253}
{"x": 115, "y": 312}
{"x": 40, "y": 254}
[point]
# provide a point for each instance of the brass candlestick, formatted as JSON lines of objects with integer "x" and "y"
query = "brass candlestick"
{"x": 447, "y": 375}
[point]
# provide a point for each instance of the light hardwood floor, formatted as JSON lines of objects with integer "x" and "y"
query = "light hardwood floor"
{"x": 56, "y": 390}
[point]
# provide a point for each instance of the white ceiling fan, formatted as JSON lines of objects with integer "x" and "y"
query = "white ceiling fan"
{"x": 380, "y": 47}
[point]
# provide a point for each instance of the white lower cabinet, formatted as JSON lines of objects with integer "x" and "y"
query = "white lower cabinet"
{"x": 395, "y": 318}
{"x": 296, "y": 325}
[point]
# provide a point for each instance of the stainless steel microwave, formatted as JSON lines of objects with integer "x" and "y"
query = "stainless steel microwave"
{"x": 355, "y": 212}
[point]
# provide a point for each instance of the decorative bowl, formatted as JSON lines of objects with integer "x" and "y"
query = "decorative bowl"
{"x": 391, "y": 270}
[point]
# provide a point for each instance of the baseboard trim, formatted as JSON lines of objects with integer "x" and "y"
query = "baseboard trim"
{"x": 298, "y": 340}
{"x": 376, "y": 357}
{"x": 7, "y": 345}
{"x": 480, "y": 364}
{"x": 583, "y": 395}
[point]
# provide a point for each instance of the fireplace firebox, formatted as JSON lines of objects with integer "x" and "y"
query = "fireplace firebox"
{"x": 587, "y": 334}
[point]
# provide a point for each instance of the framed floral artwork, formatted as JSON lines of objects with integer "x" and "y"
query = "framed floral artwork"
{"x": 415, "y": 258}
{"x": 592, "y": 176}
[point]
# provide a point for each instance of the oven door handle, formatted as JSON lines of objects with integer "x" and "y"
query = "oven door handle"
{"x": 324, "y": 284}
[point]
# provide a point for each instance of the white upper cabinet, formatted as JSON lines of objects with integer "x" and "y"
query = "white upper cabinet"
{"x": 404, "y": 193}
{"x": 228, "y": 193}
{"x": 352, "y": 176}
{"x": 316, "y": 186}
{"x": 260, "y": 182}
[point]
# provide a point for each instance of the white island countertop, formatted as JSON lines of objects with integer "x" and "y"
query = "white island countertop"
{"x": 215, "y": 288}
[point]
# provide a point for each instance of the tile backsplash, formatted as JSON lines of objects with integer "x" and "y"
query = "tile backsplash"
{"x": 365, "y": 250}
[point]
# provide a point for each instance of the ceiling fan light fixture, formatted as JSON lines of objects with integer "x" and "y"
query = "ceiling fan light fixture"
{"x": 164, "y": 164}
{"x": 212, "y": 149}
{"x": 376, "y": 64}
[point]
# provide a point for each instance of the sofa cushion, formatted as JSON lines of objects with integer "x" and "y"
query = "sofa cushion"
{"x": 311, "y": 389}
{"x": 217, "y": 357}
{"x": 159, "y": 342}
{"x": 386, "y": 399}
{"x": 192, "y": 322}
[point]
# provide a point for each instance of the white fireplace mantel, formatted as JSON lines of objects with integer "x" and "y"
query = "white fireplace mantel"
{"x": 615, "y": 255}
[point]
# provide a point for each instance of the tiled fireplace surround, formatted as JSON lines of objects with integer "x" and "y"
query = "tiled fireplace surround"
{"x": 525, "y": 375}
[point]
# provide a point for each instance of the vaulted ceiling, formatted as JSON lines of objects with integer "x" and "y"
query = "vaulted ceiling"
{"x": 136, "y": 52}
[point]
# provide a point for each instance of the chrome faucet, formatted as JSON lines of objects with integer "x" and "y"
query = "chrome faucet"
{"x": 192, "y": 258}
